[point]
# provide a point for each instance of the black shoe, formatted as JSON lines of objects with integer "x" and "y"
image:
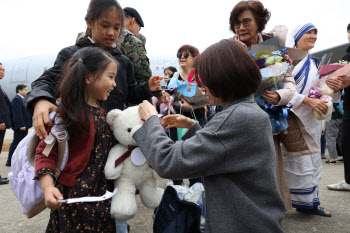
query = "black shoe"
{"x": 5, "y": 178}
{"x": 2, "y": 181}
{"x": 329, "y": 161}
{"x": 8, "y": 164}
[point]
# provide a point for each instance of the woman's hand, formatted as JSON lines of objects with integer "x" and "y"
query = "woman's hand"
{"x": 335, "y": 83}
{"x": 320, "y": 106}
{"x": 41, "y": 118}
{"x": 271, "y": 97}
{"x": 146, "y": 110}
{"x": 178, "y": 121}
{"x": 154, "y": 83}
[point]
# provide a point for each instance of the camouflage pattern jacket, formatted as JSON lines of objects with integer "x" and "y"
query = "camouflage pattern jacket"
{"x": 133, "y": 48}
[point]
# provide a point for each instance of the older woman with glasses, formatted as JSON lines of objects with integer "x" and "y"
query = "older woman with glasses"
{"x": 233, "y": 152}
{"x": 247, "y": 20}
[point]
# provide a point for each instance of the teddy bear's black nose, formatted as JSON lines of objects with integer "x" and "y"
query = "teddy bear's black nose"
{"x": 129, "y": 130}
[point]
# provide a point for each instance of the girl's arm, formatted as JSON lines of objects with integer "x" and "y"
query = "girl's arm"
{"x": 51, "y": 193}
{"x": 46, "y": 176}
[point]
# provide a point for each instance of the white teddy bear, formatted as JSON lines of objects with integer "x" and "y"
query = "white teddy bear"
{"x": 129, "y": 169}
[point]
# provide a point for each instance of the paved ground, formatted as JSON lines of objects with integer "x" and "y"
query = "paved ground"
{"x": 12, "y": 220}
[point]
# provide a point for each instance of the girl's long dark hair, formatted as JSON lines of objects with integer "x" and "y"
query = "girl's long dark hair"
{"x": 72, "y": 86}
{"x": 98, "y": 7}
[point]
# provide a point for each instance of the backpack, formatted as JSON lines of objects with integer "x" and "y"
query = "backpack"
{"x": 176, "y": 215}
{"x": 27, "y": 190}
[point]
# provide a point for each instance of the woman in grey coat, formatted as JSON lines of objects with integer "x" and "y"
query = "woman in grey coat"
{"x": 234, "y": 152}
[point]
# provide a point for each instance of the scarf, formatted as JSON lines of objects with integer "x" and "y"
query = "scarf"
{"x": 260, "y": 39}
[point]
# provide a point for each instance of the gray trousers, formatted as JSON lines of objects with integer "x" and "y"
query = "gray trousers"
{"x": 333, "y": 137}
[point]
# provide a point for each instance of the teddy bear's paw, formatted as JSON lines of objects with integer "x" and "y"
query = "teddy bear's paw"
{"x": 122, "y": 216}
{"x": 124, "y": 207}
{"x": 152, "y": 197}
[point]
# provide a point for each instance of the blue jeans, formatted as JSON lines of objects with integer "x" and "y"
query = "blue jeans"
{"x": 121, "y": 226}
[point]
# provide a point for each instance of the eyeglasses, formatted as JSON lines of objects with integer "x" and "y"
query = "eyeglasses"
{"x": 185, "y": 54}
{"x": 246, "y": 23}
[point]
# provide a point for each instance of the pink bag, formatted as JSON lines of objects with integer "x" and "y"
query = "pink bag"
{"x": 27, "y": 190}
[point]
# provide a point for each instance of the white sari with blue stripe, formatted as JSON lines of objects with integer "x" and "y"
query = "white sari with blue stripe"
{"x": 303, "y": 173}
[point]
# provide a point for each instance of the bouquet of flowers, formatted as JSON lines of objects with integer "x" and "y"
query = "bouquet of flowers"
{"x": 273, "y": 67}
{"x": 274, "y": 62}
{"x": 321, "y": 90}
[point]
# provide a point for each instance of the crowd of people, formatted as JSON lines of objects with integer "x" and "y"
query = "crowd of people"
{"x": 248, "y": 170}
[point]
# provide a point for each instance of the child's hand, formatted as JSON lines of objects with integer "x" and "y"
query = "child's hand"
{"x": 154, "y": 83}
{"x": 52, "y": 194}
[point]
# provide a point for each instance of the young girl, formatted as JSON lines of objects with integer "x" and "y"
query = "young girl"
{"x": 87, "y": 79}
{"x": 104, "y": 19}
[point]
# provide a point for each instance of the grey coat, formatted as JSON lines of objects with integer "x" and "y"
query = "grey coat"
{"x": 235, "y": 154}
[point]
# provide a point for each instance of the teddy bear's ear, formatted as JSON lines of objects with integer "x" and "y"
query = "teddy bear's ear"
{"x": 112, "y": 115}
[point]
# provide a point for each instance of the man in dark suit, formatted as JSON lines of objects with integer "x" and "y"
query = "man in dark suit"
{"x": 22, "y": 120}
{"x": 5, "y": 116}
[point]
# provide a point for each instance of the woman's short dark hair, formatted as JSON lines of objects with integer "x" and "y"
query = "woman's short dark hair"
{"x": 171, "y": 68}
{"x": 193, "y": 50}
{"x": 348, "y": 28}
{"x": 261, "y": 14}
{"x": 98, "y": 7}
{"x": 228, "y": 70}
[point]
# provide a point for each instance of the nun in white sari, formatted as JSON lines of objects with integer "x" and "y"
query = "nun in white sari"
{"x": 304, "y": 172}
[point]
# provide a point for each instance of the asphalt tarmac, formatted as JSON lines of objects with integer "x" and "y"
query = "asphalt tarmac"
{"x": 337, "y": 202}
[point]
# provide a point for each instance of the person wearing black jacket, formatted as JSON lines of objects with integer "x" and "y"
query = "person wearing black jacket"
{"x": 127, "y": 88}
{"x": 5, "y": 116}
{"x": 22, "y": 121}
{"x": 345, "y": 146}
{"x": 6, "y": 110}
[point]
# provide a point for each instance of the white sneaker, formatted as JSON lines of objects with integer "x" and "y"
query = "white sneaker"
{"x": 341, "y": 186}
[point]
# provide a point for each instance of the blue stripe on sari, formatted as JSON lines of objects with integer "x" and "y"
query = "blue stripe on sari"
{"x": 304, "y": 72}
